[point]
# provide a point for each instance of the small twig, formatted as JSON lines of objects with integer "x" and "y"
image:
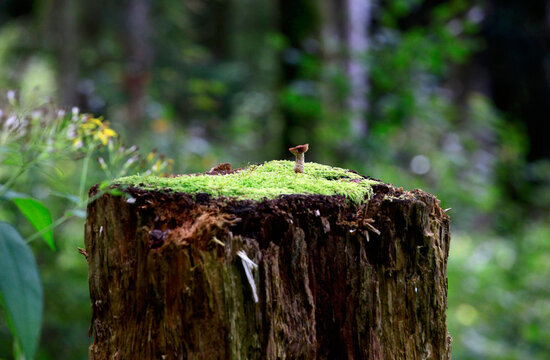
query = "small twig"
{"x": 372, "y": 228}
{"x": 217, "y": 241}
{"x": 83, "y": 252}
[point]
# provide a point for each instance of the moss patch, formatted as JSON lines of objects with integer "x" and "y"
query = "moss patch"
{"x": 269, "y": 180}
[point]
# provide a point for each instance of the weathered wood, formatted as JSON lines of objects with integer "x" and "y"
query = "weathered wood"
{"x": 166, "y": 281}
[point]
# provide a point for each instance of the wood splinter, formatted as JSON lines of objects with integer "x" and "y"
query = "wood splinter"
{"x": 83, "y": 252}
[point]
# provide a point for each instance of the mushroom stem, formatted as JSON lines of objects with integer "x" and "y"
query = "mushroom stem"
{"x": 299, "y": 165}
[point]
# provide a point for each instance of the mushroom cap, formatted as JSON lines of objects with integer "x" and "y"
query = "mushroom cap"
{"x": 300, "y": 149}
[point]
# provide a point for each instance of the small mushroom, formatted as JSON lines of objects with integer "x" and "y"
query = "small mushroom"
{"x": 299, "y": 152}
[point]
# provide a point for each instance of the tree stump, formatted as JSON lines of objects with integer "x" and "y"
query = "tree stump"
{"x": 172, "y": 275}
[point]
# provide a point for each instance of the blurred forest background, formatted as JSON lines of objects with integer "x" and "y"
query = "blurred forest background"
{"x": 452, "y": 97}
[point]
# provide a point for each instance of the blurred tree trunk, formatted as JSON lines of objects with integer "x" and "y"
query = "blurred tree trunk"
{"x": 517, "y": 37}
{"x": 139, "y": 57}
{"x": 299, "y": 23}
{"x": 357, "y": 39}
{"x": 67, "y": 43}
{"x": 345, "y": 43}
{"x": 212, "y": 20}
{"x": 335, "y": 58}
{"x": 253, "y": 42}
{"x": 168, "y": 279}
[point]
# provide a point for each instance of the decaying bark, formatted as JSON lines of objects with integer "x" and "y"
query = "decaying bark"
{"x": 166, "y": 281}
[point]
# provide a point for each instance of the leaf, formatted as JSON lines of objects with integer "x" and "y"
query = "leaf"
{"x": 38, "y": 215}
{"x": 21, "y": 289}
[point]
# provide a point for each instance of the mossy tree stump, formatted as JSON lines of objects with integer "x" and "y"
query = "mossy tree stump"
{"x": 337, "y": 278}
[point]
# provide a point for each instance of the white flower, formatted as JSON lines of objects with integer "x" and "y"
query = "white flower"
{"x": 71, "y": 131}
{"x": 11, "y": 96}
{"x": 75, "y": 110}
{"x": 130, "y": 161}
{"x": 102, "y": 163}
{"x": 11, "y": 123}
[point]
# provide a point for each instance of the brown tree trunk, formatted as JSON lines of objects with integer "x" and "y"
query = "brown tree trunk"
{"x": 357, "y": 39}
{"x": 167, "y": 280}
{"x": 299, "y": 23}
{"x": 67, "y": 45}
{"x": 139, "y": 58}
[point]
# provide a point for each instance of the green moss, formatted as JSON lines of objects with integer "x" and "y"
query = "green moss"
{"x": 269, "y": 180}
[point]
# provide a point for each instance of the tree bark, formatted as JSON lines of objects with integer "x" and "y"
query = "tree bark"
{"x": 167, "y": 281}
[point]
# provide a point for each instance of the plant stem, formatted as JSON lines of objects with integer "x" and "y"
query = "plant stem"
{"x": 66, "y": 216}
{"x": 52, "y": 226}
{"x": 84, "y": 174}
{"x": 6, "y": 187}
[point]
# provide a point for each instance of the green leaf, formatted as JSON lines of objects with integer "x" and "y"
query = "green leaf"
{"x": 38, "y": 215}
{"x": 21, "y": 289}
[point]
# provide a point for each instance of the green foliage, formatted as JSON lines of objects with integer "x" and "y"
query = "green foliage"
{"x": 269, "y": 180}
{"x": 497, "y": 295}
{"x": 20, "y": 290}
{"x": 35, "y": 143}
{"x": 39, "y": 216}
